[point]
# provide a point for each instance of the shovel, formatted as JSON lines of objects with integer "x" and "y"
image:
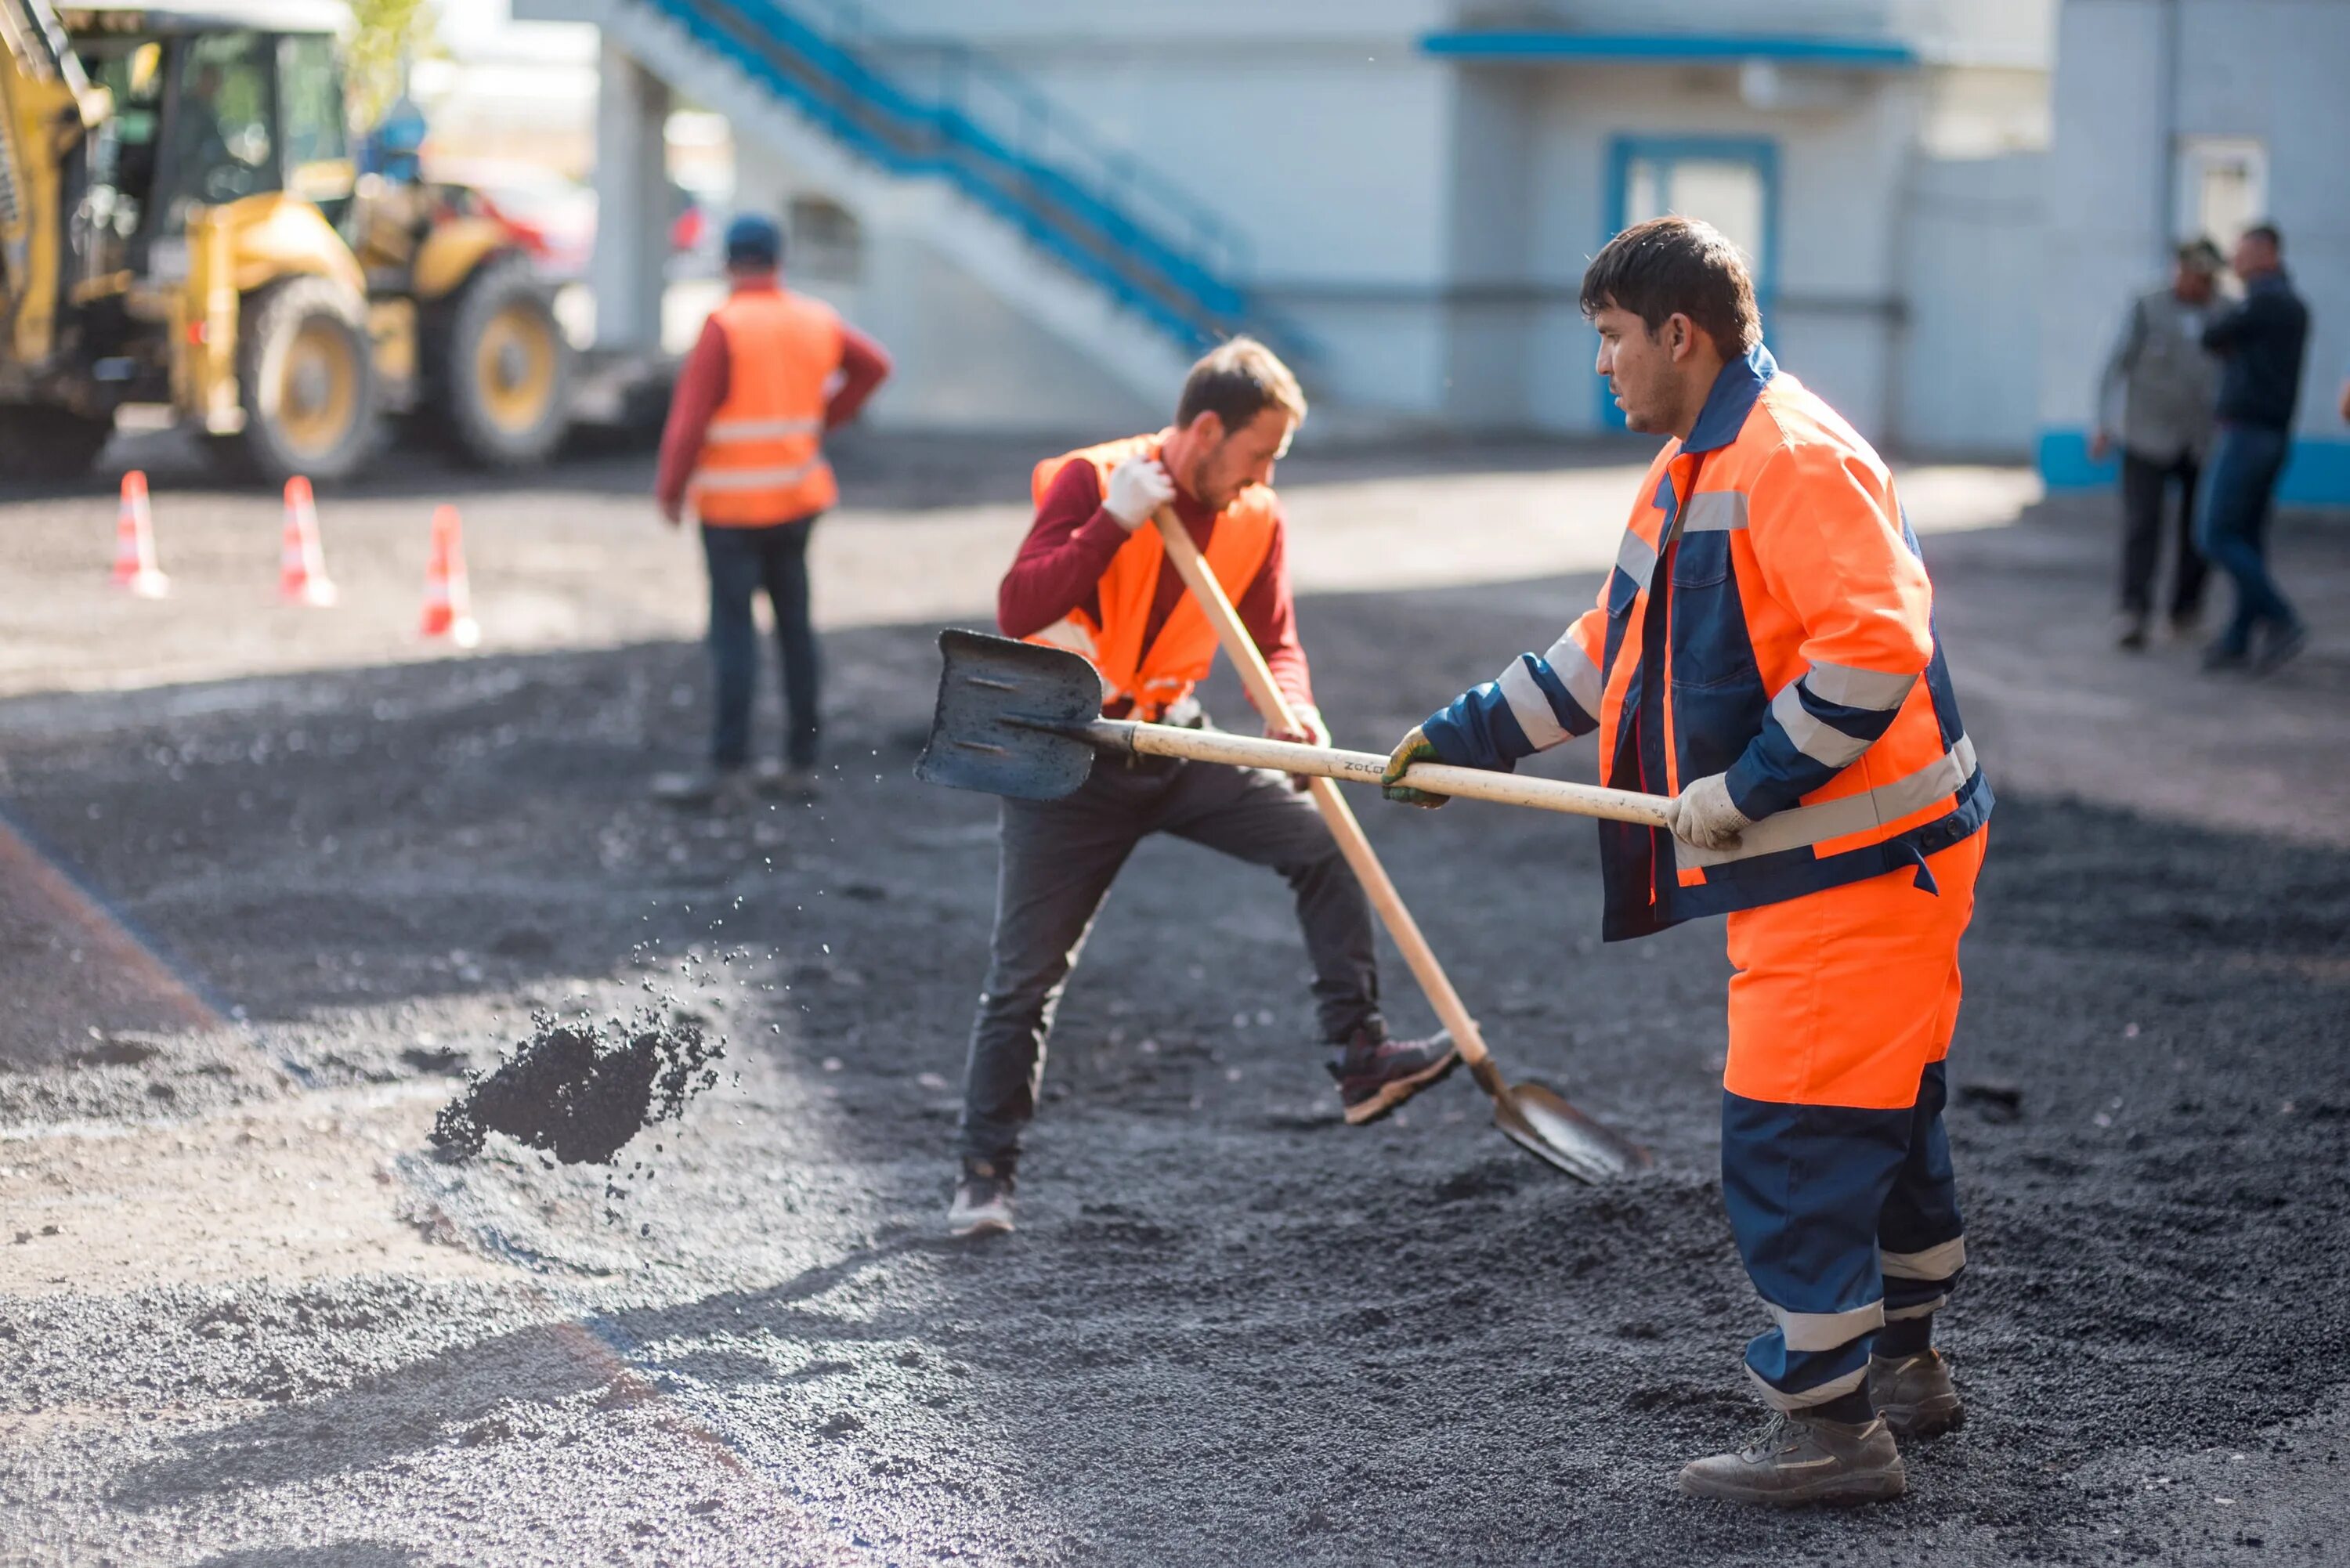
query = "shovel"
{"x": 1019, "y": 720}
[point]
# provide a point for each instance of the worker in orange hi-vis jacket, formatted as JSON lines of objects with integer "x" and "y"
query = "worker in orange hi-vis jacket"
{"x": 773, "y": 372}
{"x": 1093, "y": 578}
{"x": 1764, "y": 653}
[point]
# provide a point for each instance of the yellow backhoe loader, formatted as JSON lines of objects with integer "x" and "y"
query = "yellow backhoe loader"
{"x": 183, "y": 222}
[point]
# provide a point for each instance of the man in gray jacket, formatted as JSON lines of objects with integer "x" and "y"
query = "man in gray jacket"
{"x": 2163, "y": 384}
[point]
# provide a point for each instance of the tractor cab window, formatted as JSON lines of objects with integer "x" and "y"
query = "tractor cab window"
{"x": 221, "y": 147}
{"x": 319, "y": 166}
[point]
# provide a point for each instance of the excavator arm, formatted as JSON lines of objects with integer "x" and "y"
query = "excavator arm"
{"x": 48, "y": 105}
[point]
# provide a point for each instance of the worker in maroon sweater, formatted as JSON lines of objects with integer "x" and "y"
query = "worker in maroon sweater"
{"x": 773, "y": 372}
{"x": 1093, "y": 578}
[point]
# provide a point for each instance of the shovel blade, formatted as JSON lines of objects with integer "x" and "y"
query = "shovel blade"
{"x": 1000, "y": 705}
{"x": 1541, "y": 1122}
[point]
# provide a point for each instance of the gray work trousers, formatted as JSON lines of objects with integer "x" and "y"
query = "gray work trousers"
{"x": 1058, "y": 860}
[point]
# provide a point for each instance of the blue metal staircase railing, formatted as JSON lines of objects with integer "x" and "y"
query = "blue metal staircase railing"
{"x": 1156, "y": 250}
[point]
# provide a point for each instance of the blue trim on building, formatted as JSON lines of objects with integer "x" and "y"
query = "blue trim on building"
{"x": 1761, "y": 151}
{"x": 2316, "y": 474}
{"x": 1535, "y": 47}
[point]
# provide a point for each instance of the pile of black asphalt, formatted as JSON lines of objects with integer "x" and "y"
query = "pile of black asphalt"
{"x": 1230, "y": 1329}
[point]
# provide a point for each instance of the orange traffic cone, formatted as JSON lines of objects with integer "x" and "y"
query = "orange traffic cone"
{"x": 448, "y": 604}
{"x": 134, "y": 543}
{"x": 301, "y": 564}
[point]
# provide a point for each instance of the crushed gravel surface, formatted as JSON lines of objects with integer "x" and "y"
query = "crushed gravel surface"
{"x": 1229, "y": 1328}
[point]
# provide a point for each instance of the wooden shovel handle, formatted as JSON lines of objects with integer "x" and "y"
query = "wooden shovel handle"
{"x": 1370, "y": 768}
{"x": 1242, "y": 647}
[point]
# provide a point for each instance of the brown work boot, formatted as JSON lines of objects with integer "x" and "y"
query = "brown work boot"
{"x": 1914, "y": 1394}
{"x": 1376, "y": 1073}
{"x": 1801, "y": 1459}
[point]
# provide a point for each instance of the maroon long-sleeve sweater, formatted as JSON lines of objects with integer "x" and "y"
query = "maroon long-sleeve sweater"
{"x": 1060, "y": 565}
{"x": 701, "y": 385}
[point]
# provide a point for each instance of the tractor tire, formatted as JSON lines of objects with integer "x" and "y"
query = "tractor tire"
{"x": 307, "y": 367}
{"x": 45, "y": 445}
{"x": 498, "y": 368}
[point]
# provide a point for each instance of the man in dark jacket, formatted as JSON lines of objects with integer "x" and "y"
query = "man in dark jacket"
{"x": 2260, "y": 344}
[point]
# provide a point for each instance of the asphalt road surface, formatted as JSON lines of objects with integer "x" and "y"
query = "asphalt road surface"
{"x": 271, "y": 880}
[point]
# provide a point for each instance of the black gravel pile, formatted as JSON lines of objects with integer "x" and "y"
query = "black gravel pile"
{"x": 580, "y": 1090}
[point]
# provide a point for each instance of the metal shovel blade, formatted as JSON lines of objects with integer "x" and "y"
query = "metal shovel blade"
{"x": 1004, "y": 713}
{"x": 1539, "y": 1121}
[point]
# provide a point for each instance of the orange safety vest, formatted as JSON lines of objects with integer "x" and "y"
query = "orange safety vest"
{"x": 763, "y": 457}
{"x": 1154, "y": 678}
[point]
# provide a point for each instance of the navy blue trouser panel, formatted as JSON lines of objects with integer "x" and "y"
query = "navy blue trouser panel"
{"x": 1823, "y": 1199}
{"x": 2239, "y": 490}
{"x": 745, "y": 563}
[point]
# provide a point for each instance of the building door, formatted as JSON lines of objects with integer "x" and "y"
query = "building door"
{"x": 1731, "y": 182}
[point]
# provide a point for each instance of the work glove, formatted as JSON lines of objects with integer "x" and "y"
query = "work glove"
{"x": 1310, "y": 732}
{"x": 1137, "y": 487}
{"x": 1703, "y": 815}
{"x": 1415, "y": 747}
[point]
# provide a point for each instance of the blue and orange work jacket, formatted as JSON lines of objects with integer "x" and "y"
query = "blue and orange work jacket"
{"x": 1769, "y": 618}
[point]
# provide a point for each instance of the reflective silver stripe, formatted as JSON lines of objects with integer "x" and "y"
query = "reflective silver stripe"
{"x": 1938, "y": 1263}
{"x": 1849, "y": 688}
{"x": 1778, "y": 1400}
{"x": 1576, "y": 672}
{"x": 1802, "y": 825}
{"x": 1636, "y": 558}
{"x": 762, "y": 429}
{"x": 1714, "y": 511}
{"x": 1826, "y": 1330}
{"x": 1923, "y": 1309}
{"x": 1824, "y": 743}
{"x": 1529, "y": 707}
{"x": 719, "y": 482}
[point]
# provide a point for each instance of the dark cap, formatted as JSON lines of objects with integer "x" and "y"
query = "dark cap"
{"x": 755, "y": 241}
{"x": 2201, "y": 255}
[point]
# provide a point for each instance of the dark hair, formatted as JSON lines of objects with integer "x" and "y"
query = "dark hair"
{"x": 2266, "y": 231}
{"x": 1237, "y": 380}
{"x": 1673, "y": 266}
{"x": 2199, "y": 254}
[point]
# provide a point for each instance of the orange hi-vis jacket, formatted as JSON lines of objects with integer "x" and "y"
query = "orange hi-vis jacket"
{"x": 1156, "y": 678}
{"x": 763, "y": 458}
{"x": 1769, "y": 618}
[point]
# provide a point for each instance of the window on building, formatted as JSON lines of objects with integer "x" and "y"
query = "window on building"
{"x": 2224, "y": 187}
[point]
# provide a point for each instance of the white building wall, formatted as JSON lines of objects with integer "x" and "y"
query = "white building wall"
{"x": 2270, "y": 70}
{"x": 1967, "y": 358}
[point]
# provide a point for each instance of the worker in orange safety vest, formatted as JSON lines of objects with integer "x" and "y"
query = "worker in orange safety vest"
{"x": 1094, "y": 576}
{"x": 773, "y": 371}
{"x": 1764, "y": 653}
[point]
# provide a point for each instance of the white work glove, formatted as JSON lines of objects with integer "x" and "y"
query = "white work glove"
{"x": 1137, "y": 487}
{"x": 1310, "y": 732}
{"x": 1704, "y": 816}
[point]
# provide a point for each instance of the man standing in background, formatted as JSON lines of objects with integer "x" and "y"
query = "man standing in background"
{"x": 773, "y": 371}
{"x": 2164, "y": 383}
{"x": 2260, "y": 343}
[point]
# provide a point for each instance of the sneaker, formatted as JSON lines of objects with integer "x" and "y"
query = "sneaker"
{"x": 1803, "y": 1460}
{"x": 2280, "y": 648}
{"x": 1376, "y": 1073}
{"x": 1914, "y": 1394}
{"x": 982, "y": 1201}
{"x": 2129, "y": 633}
{"x": 781, "y": 781}
{"x": 701, "y": 786}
